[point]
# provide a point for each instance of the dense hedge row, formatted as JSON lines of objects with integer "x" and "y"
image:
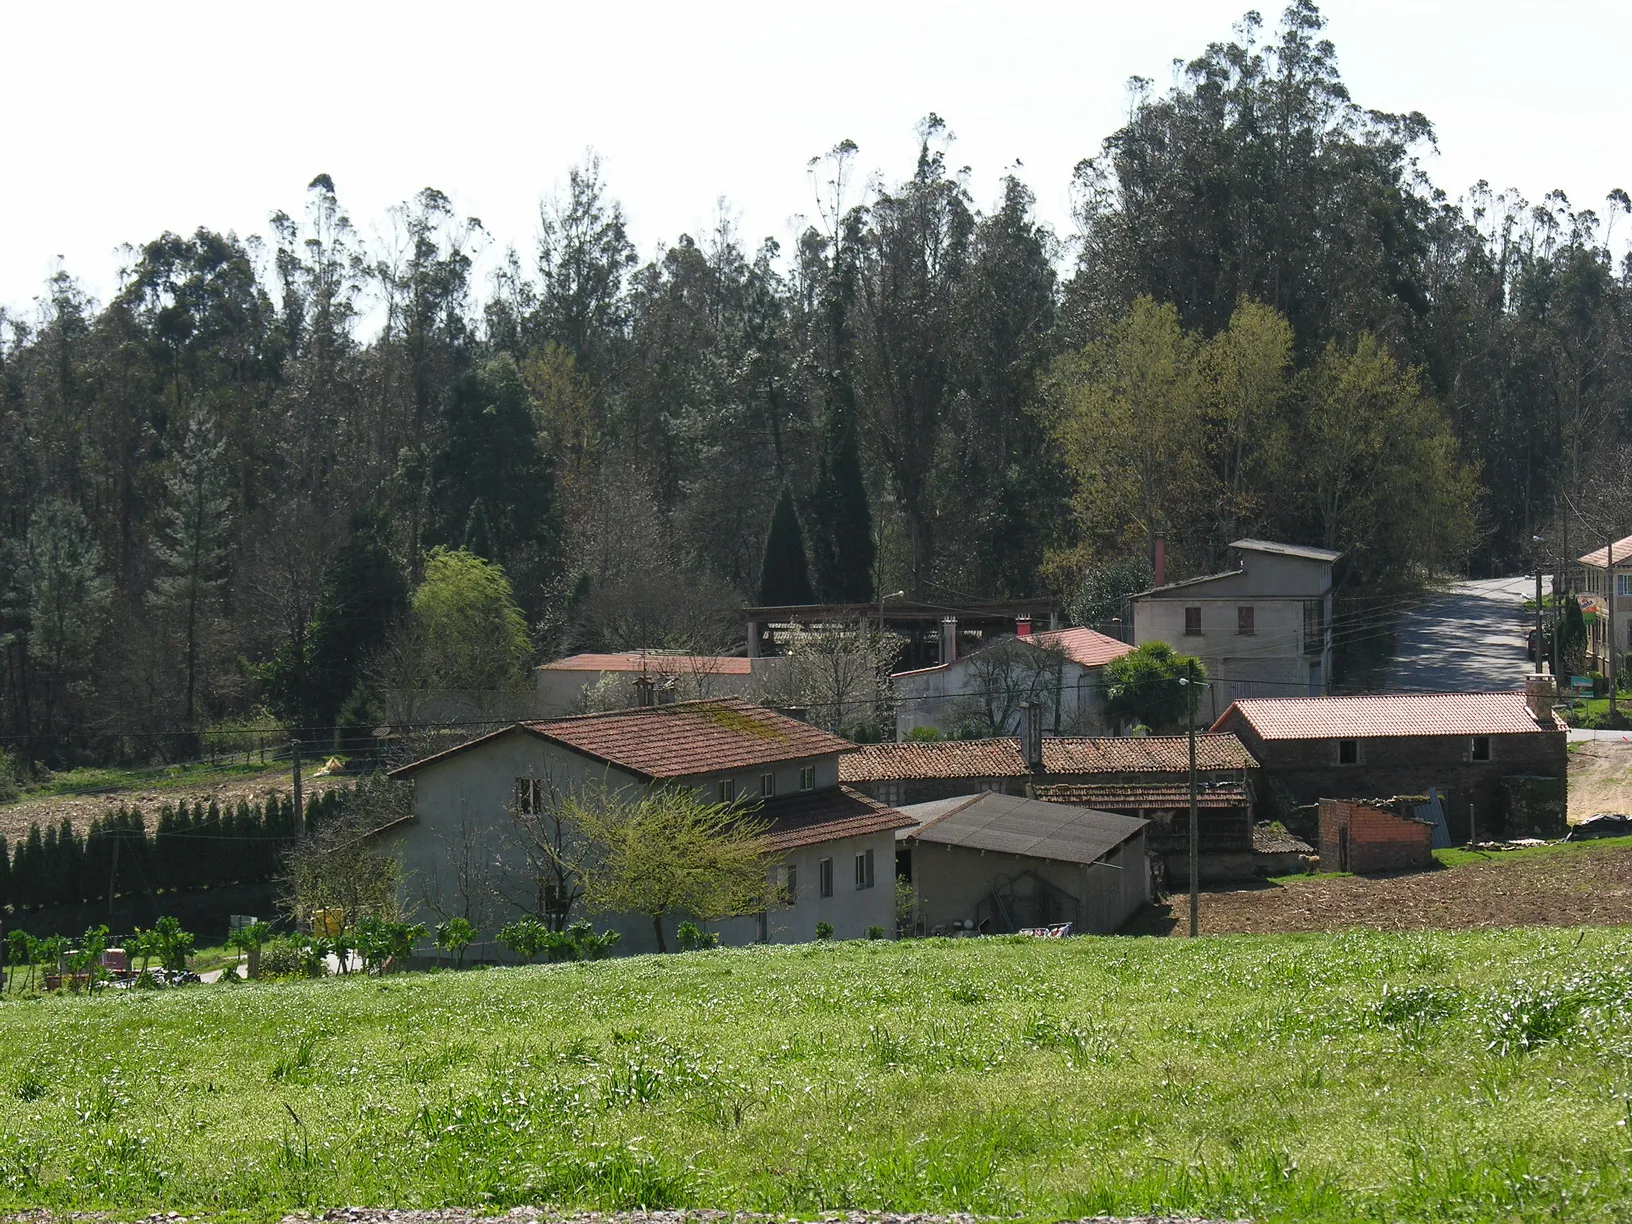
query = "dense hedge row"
{"x": 189, "y": 847}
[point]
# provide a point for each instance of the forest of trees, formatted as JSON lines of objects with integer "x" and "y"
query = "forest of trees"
{"x": 222, "y": 490}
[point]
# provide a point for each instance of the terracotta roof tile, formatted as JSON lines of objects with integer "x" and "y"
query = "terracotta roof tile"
{"x": 805, "y": 820}
{"x": 1600, "y": 558}
{"x": 1143, "y": 754}
{"x": 1387, "y": 714}
{"x": 988, "y": 758}
{"x": 1084, "y": 646}
{"x": 1136, "y": 797}
{"x": 654, "y": 662}
{"x": 675, "y": 741}
{"x": 1000, "y": 758}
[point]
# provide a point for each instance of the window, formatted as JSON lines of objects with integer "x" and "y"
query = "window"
{"x": 807, "y": 777}
{"x": 1592, "y": 582}
{"x": 1481, "y": 748}
{"x": 1348, "y": 752}
{"x": 728, "y": 790}
{"x": 532, "y": 796}
{"x": 1243, "y": 620}
{"x": 1314, "y": 627}
{"x": 767, "y": 785}
{"x": 1623, "y": 585}
{"x": 864, "y": 870}
{"x": 788, "y": 892}
{"x": 1192, "y": 622}
{"x": 824, "y": 878}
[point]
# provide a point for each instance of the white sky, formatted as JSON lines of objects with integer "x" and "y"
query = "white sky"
{"x": 125, "y": 120}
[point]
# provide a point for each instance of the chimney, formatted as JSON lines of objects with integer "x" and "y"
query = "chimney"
{"x": 949, "y": 639}
{"x": 643, "y": 692}
{"x": 665, "y": 692}
{"x": 1161, "y": 560}
{"x": 1031, "y": 734}
{"x": 1539, "y": 695}
{"x": 1022, "y": 626}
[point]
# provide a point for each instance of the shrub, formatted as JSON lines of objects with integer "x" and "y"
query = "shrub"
{"x": 689, "y": 937}
{"x": 875, "y": 932}
{"x": 287, "y": 956}
{"x": 455, "y": 935}
{"x": 824, "y": 930}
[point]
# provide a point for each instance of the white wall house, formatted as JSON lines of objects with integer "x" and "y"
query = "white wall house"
{"x": 833, "y": 849}
{"x": 981, "y": 693}
{"x": 562, "y": 684}
{"x": 1609, "y": 587}
{"x": 1263, "y": 628}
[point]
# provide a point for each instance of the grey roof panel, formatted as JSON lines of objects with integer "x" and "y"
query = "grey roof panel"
{"x": 1013, "y": 824}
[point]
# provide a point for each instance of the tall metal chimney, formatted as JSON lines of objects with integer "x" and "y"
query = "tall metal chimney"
{"x": 1161, "y": 560}
{"x": 949, "y": 639}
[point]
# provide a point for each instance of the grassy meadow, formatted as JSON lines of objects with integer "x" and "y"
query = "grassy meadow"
{"x": 1471, "y": 1075}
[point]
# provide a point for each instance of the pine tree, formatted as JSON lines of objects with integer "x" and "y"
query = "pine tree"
{"x": 194, "y": 550}
{"x": 841, "y": 536}
{"x": 784, "y": 577}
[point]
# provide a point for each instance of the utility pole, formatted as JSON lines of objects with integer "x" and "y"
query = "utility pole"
{"x": 1195, "y": 820}
{"x": 1540, "y": 665}
{"x": 1609, "y": 570}
{"x": 300, "y": 811}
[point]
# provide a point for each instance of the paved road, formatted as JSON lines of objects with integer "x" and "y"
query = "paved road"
{"x": 1469, "y": 639}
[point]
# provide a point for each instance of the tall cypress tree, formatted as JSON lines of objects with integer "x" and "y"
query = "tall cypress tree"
{"x": 841, "y": 537}
{"x": 5, "y": 875}
{"x": 784, "y": 577}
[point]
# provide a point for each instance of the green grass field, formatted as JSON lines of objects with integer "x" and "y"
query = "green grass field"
{"x": 89, "y": 780}
{"x": 1469, "y": 1076}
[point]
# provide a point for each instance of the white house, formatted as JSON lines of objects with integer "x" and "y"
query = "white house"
{"x": 1606, "y": 581}
{"x": 562, "y": 684}
{"x": 982, "y": 692}
{"x": 834, "y": 848}
{"x": 1263, "y": 628}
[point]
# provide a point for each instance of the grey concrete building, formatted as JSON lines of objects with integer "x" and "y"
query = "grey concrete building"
{"x": 1263, "y": 627}
{"x": 1000, "y": 863}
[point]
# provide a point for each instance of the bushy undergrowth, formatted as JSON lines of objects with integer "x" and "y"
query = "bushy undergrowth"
{"x": 1471, "y": 1076}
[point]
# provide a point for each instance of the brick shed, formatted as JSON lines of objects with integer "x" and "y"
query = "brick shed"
{"x": 1497, "y": 758}
{"x": 1373, "y": 835}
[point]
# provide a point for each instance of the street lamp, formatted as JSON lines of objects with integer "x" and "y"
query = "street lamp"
{"x": 881, "y": 599}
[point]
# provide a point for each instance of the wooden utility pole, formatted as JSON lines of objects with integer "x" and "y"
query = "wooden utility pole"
{"x": 300, "y": 811}
{"x": 1609, "y": 570}
{"x": 1195, "y": 820}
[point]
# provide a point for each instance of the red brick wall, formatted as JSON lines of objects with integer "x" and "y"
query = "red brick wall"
{"x": 1378, "y": 840}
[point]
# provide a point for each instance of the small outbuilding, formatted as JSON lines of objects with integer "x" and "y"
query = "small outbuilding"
{"x": 1002, "y": 863}
{"x": 1374, "y": 835}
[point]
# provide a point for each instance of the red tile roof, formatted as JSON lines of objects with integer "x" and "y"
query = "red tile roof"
{"x": 821, "y": 816}
{"x": 1600, "y": 559}
{"x": 1143, "y": 754}
{"x": 675, "y": 741}
{"x": 1387, "y": 714}
{"x": 1083, "y": 645}
{"x": 1142, "y": 797}
{"x": 1000, "y": 758}
{"x": 654, "y": 661}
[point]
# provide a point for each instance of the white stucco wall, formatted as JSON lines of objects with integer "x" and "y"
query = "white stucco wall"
{"x": 467, "y": 797}
{"x": 936, "y": 696}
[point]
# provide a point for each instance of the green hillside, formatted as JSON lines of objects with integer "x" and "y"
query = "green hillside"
{"x": 1469, "y": 1075}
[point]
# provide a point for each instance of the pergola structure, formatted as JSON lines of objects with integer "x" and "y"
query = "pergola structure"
{"x": 926, "y": 626}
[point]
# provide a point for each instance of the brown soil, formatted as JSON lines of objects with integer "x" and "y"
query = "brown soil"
{"x": 15, "y": 818}
{"x": 1582, "y": 884}
{"x": 1600, "y": 778}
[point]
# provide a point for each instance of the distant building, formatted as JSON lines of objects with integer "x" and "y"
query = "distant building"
{"x": 1058, "y": 669}
{"x": 1497, "y": 759}
{"x": 1001, "y": 863}
{"x": 563, "y": 685}
{"x": 834, "y": 849}
{"x": 1263, "y": 628}
{"x": 1608, "y": 587}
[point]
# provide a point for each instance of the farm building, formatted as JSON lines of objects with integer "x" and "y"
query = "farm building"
{"x": 1498, "y": 759}
{"x": 835, "y": 847}
{"x": 999, "y": 863}
{"x": 562, "y": 685}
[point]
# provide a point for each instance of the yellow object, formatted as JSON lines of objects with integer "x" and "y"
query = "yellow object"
{"x": 327, "y": 923}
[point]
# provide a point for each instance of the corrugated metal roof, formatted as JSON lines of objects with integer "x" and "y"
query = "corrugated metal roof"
{"x": 1387, "y": 714}
{"x": 1010, "y": 824}
{"x": 1286, "y": 550}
